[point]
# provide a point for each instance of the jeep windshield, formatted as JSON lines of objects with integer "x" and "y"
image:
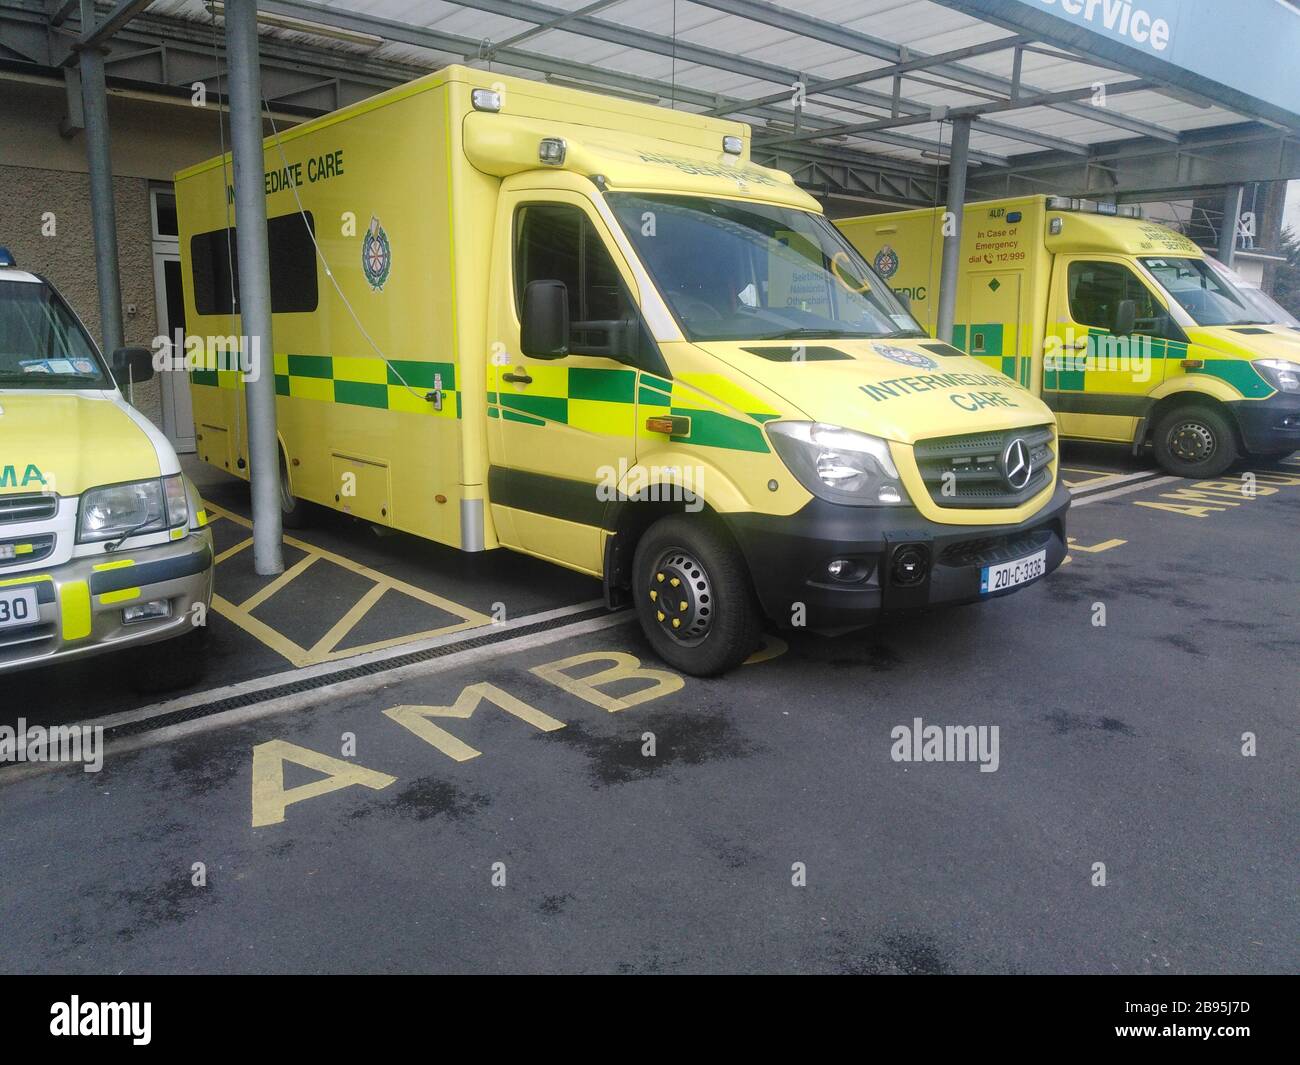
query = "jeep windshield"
{"x": 42, "y": 345}
{"x": 736, "y": 270}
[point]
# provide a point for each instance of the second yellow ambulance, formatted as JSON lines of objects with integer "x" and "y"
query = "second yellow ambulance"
{"x": 1122, "y": 326}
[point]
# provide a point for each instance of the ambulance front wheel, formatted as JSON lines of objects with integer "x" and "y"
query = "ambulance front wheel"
{"x": 693, "y": 596}
{"x": 1195, "y": 440}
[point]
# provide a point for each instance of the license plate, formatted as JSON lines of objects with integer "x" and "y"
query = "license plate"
{"x": 1006, "y": 575}
{"x": 18, "y": 607}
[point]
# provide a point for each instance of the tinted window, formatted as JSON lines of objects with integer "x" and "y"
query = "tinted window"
{"x": 214, "y": 263}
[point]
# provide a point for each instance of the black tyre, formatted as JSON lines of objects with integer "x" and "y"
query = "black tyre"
{"x": 693, "y": 596}
{"x": 1195, "y": 441}
{"x": 171, "y": 665}
{"x": 295, "y": 513}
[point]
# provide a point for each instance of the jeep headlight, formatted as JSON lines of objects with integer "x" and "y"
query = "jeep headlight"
{"x": 136, "y": 507}
{"x": 839, "y": 465}
{"x": 1282, "y": 374}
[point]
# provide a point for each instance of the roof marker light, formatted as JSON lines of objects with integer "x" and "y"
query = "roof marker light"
{"x": 485, "y": 100}
{"x": 551, "y": 151}
{"x": 733, "y": 145}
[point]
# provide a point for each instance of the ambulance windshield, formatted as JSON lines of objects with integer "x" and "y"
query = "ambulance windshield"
{"x": 736, "y": 270}
{"x": 42, "y": 345}
{"x": 1208, "y": 297}
{"x": 1269, "y": 309}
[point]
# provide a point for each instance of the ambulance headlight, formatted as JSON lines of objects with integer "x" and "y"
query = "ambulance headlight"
{"x": 839, "y": 465}
{"x": 118, "y": 509}
{"x": 1282, "y": 374}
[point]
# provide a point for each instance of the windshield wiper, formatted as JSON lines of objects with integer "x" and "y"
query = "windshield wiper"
{"x": 822, "y": 334}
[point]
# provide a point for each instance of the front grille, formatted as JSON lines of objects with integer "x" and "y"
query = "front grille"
{"x": 31, "y": 506}
{"x": 26, "y": 549}
{"x": 967, "y": 471}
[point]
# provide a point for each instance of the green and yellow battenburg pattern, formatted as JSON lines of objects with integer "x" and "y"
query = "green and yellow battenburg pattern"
{"x": 356, "y": 381}
{"x": 613, "y": 402}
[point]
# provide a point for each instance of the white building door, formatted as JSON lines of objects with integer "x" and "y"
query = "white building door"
{"x": 178, "y": 415}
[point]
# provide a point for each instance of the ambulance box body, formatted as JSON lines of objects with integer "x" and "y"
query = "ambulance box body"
{"x": 509, "y": 314}
{"x": 103, "y": 544}
{"x": 1124, "y": 327}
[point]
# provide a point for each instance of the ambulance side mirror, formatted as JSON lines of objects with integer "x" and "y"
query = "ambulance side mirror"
{"x": 544, "y": 331}
{"x": 133, "y": 364}
{"x": 1125, "y": 318}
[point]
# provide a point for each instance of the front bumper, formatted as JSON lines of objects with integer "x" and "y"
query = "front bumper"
{"x": 787, "y": 558}
{"x": 80, "y": 603}
{"x": 1269, "y": 426}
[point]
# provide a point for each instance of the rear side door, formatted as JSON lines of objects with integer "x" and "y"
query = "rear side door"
{"x": 1099, "y": 383}
{"x": 561, "y": 432}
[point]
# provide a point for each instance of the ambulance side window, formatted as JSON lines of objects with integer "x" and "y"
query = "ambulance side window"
{"x": 557, "y": 242}
{"x": 1096, "y": 288}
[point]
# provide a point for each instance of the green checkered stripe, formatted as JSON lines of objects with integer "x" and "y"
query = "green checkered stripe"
{"x": 1238, "y": 373}
{"x": 417, "y": 374}
{"x": 709, "y": 428}
{"x": 990, "y": 333}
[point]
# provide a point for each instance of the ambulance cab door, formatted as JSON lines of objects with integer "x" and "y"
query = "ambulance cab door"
{"x": 561, "y": 430}
{"x": 1098, "y": 383}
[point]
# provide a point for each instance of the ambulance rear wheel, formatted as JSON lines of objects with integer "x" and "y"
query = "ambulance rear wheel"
{"x": 1195, "y": 441}
{"x": 693, "y": 596}
{"x": 293, "y": 511}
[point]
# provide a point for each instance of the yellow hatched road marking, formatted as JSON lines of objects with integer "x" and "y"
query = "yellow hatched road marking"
{"x": 324, "y": 649}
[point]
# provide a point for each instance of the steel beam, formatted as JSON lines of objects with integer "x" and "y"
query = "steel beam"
{"x": 956, "y": 208}
{"x": 816, "y": 29}
{"x": 245, "y": 86}
{"x": 1228, "y": 231}
{"x": 103, "y": 211}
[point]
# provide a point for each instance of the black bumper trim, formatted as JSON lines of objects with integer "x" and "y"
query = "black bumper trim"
{"x": 787, "y": 556}
{"x": 1269, "y": 425}
{"x": 165, "y": 569}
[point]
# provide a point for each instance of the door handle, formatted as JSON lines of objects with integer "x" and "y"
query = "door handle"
{"x": 521, "y": 378}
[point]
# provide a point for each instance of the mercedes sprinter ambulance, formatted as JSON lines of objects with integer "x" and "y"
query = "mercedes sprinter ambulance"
{"x": 1120, "y": 324}
{"x": 510, "y": 314}
{"x": 102, "y": 538}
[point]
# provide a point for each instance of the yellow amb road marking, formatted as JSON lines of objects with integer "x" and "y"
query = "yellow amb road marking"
{"x": 325, "y": 649}
{"x": 270, "y": 798}
{"x": 269, "y": 794}
{"x": 625, "y": 667}
{"x": 1096, "y": 476}
{"x": 416, "y": 718}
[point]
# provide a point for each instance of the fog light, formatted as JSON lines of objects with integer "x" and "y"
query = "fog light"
{"x": 847, "y": 570}
{"x": 910, "y": 565}
{"x": 150, "y": 611}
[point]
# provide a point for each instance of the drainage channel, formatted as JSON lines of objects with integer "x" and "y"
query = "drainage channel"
{"x": 321, "y": 680}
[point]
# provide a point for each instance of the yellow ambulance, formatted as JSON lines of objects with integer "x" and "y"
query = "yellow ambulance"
{"x": 510, "y": 314}
{"x": 1121, "y": 325}
{"x": 102, "y": 544}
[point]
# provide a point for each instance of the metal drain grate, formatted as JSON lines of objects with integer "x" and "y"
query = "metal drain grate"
{"x": 369, "y": 669}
